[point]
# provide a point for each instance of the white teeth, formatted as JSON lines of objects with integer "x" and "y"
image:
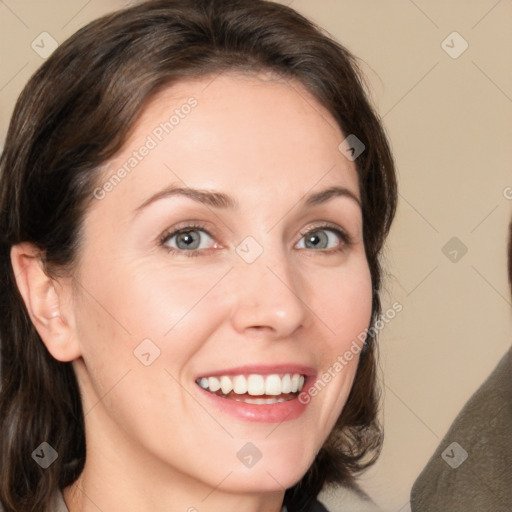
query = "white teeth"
{"x": 254, "y": 384}
{"x": 286, "y": 384}
{"x": 261, "y": 401}
{"x": 240, "y": 385}
{"x": 295, "y": 383}
{"x": 226, "y": 384}
{"x": 213, "y": 384}
{"x": 273, "y": 385}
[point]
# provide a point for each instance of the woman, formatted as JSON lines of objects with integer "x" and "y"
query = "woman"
{"x": 194, "y": 199}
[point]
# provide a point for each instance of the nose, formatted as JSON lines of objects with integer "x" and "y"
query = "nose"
{"x": 267, "y": 297}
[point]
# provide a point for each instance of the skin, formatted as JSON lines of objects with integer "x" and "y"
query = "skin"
{"x": 153, "y": 442}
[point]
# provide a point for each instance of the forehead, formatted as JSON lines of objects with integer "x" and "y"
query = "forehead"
{"x": 242, "y": 134}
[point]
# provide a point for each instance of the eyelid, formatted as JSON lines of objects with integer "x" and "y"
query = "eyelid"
{"x": 185, "y": 226}
{"x": 345, "y": 236}
{"x": 191, "y": 225}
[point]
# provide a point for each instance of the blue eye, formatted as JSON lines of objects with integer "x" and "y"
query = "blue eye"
{"x": 323, "y": 238}
{"x": 188, "y": 239}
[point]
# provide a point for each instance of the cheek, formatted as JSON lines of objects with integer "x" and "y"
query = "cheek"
{"x": 343, "y": 301}
{"x": 128, "y": 303}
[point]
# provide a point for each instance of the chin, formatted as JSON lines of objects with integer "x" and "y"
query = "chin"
{"x": 262, "y": 483}
{"x": 274, "y": 476}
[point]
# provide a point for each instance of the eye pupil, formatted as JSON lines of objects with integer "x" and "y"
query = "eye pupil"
{"x": 316, "y": 238}
{"x": 188, "y": 240}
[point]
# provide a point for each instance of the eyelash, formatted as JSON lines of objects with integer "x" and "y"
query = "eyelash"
{"x": 167, "y": 235}
{"x": 346, "y": 239}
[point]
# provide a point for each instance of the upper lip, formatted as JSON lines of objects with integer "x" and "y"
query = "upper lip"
{"x": 308, "y": 371}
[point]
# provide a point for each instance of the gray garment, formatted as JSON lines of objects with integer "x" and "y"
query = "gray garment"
{"x": 482, "y": 482}
{"x": 59, "y": 505}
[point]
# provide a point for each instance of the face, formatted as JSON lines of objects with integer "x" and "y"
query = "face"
{"x": 229, "y": 253}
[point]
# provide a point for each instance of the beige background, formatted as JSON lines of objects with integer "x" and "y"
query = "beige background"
{"x": 450, "y": 123}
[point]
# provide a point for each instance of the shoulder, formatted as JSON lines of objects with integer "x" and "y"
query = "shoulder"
{"x": 342, "y": 499}
{"x": 471, "y": 467}
{"x": 59, "y": 504}
{"x": 316, "y": 506}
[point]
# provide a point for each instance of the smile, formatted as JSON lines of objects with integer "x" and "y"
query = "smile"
{"x": 268, "y": 389}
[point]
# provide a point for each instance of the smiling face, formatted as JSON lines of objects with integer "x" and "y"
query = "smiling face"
{"x": 229, "y": 252}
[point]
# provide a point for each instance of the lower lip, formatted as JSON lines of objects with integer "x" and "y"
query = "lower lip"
{"x": 264, "y": 413}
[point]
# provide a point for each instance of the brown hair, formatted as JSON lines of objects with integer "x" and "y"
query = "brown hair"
{"x": 73, "y": 116}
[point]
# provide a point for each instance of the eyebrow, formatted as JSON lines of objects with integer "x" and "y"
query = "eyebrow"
{"x": 221, "y": 200}
{"x": 325, "y": 195}
{"x": 207, "y": 197}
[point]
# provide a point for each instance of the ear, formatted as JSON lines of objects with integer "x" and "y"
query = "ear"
{"x": 47, "y": 301}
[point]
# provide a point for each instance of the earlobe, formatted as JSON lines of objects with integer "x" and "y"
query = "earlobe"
{"x": 44, "y": 299}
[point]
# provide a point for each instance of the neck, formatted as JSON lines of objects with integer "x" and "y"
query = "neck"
{"x": 120, "y": 477}
{"x": 87, "y": 496}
